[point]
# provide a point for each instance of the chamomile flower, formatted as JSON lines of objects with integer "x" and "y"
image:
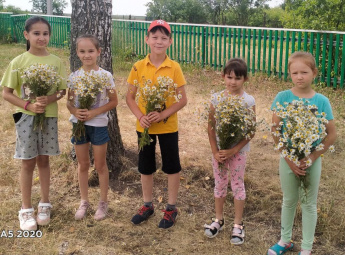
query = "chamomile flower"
{"x": 303, "y": 128}
{"x": 86, "y": 88}
{"x": 153, "y": 97}
{"x": 331, "y": 148}
{"x": 309, "y": 162}
{"x": 39, "y": 80}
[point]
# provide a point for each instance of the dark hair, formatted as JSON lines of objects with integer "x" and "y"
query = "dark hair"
{"x": 306, "y": 57}
{"x": 31, "y": 21}
{"x": 92, "y": 38}
{"x": 236, "y": 65}
{"x": 161, "y": 29}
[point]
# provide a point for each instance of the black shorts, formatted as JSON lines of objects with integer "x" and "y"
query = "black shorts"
{"x": 168, "y": 144}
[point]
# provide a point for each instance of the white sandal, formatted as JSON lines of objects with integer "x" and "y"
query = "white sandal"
{"x": 237, "y": 238}
{"x": 213, "y": 229}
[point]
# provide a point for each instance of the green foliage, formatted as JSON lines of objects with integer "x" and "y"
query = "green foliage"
{"x": 245, "y": 11}
{"x": 272, "y": 17}
{"x": 15, "y": 10}
{"x": 217, "y": 11}
{"x": 191, "y": 11}
{"x": 266, "y": 17}
{"x": 314, "y": 14}
{"x": 230, "y": 12}
{"x": 41, "y": 6}
{"x": 6, "y": 37}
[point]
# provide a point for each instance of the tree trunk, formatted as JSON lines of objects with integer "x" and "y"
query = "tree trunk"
{"x": 94, "y": 17}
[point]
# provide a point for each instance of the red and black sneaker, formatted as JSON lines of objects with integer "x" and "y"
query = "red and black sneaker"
{"x": 169, "y": 218}
{"x": 143, "y": 214}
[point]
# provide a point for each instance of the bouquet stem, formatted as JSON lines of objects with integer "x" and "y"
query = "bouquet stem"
{"x": 144, "y": 139}
{"x": 304, "y": 186}
{"x": 78, "y": 130}
{"x": 39, "y": 121}
{"x": 221, "y": 167}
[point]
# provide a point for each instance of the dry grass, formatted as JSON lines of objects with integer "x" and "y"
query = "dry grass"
{"x": 116, "y": 235}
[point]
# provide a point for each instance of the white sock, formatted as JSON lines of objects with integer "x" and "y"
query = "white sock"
{"x": 282, "y": 243}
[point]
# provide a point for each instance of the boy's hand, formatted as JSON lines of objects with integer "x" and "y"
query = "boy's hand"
{"x": 81, "y": 114}
{"x": 226, "y": 154}
{"x": 144, "y": 121}
{"x": 155, "y": 117}
{"x": 43, "y": 100}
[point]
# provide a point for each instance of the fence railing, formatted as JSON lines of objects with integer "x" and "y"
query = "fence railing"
{"x": 5, "y": 26}
{"x": 61, "y": 27}
{"x": 264, "y": 49}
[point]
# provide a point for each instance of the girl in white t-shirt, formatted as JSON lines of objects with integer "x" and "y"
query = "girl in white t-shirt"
{"x": 95, "y": 121}
{"x": 233, "y": 159}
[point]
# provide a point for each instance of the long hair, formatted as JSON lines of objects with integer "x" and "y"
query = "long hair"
{"x": 31, "y": 21}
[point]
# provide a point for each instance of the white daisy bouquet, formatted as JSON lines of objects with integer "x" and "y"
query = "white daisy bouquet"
{"x": 38, "y": 80}
{"x": 154, "y": 97}
{"x": 234, "y": 120}
{"x": 300, "y": 132}
{"x": 86, "y": 88}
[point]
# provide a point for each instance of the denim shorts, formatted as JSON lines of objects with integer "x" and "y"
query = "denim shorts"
{"x": 168, "y": 144}
{"x": 95, "y": 135}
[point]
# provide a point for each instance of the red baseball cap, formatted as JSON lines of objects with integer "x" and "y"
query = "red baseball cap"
{"x": 161, "y": 23}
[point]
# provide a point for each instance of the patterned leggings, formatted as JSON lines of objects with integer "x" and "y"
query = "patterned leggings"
{"x": 236, "y": 166}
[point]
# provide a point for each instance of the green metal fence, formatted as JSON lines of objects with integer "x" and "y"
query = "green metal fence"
{"x": 5, "y": 26}
{"x": 61, "y": 27}
{"x": 265, "y": 49}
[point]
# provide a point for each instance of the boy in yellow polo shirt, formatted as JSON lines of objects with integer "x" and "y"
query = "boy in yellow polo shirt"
{"x": 163, "y": 124}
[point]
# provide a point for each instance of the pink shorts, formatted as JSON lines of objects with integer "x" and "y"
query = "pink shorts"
{"x": 235, "y": 166}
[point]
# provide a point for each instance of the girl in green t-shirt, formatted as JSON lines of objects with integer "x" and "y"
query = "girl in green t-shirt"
{"x": 33, "y": 146}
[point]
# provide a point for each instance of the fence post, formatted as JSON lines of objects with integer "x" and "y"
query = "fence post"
{"x": 342, "y": 64}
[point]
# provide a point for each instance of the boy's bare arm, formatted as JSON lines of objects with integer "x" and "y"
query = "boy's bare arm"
{"x": 132, "y": 104}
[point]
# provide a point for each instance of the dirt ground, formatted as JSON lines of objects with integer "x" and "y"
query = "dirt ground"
{"x": 116, "y": 234}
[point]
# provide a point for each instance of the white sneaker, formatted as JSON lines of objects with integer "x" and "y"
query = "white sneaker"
{"x": 43, "y": 213}
{"x": 27, "y": 219}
